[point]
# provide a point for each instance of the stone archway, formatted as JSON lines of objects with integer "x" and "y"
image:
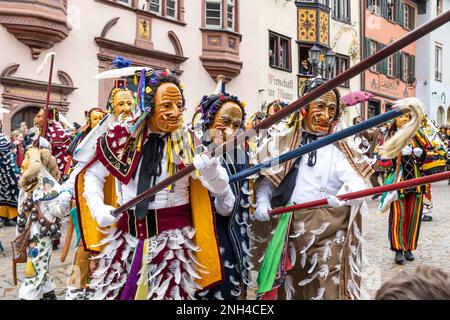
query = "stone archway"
{"x": 21, "y": 93}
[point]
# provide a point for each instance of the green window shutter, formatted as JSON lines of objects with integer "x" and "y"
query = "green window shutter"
{"x": 379, "y": 64}
{"x": 400, "y": 12}
{"x": 367, "y": 45}
{"x": 383, "y": 8}
{"x": 404, "y": 62}
{"x": 386, "y": 9}
{"x": 412, "y": 66}
{"x": 398, "y": 65}
{"x": 397, "y": 11}
{"x": 412, "y": 18}
{"x": 384, "y": 63}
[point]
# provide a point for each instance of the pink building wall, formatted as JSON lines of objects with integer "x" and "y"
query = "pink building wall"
{"x": 384, "y": 31}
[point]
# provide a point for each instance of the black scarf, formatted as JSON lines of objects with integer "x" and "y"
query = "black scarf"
{"x": 312, "y": 156}
{"x": 151, "y": 169}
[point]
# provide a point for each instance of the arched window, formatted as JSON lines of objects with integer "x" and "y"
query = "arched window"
{"x": 24, "y": 115}
{"x": 440, "y": 116}
{"x": 221, "y": 14}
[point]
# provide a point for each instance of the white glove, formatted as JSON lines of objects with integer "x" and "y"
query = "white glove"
{"x": 262, "y": 211}
{"x": 406, "y": 151}
{"x": 335, "y": 202}
{"x": 65, "y": 197}
{"x": 207, "y": 167}
{"x": 224, "y": 204}
{"x": 418, "y": 152}
{"x": 104, "y": 217}
{"x": 43, "y": 143}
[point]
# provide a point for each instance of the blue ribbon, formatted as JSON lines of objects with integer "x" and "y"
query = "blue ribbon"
{"x": 318, "y": 144}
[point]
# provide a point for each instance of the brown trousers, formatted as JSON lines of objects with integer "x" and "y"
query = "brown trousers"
{"x": 80, "y": 268}
{"x": 324, "y": 253}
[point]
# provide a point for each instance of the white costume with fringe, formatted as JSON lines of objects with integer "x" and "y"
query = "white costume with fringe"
{"x": 166, "y": 263}
{"x": 38, "y": 280}
{"x": 323, "y": 248}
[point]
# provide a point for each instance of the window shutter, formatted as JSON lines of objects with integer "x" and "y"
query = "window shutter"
{"x": 412, "y": 66}
{"x": 400, "y": 13}
{"x": 379, "y": 64}
{"x": 402, "y": 68}
{"x": 412, "y": 18}
{"x": 367, "y": 45}
{"x": 398, "y": 65}
{"x": 384, "y": 62}
{"x": 397, "y": 11}
{"x": 384, "y": 8}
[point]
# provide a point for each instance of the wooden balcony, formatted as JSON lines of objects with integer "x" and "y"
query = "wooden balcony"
{"x": 220, "y": 54}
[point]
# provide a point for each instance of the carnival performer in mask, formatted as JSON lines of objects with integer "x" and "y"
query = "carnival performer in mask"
{"x": 9, "y": 189}
{"x": 273, "y": 108}
{"x": 321, "y": 256}
{"x": 119, "y": 107}
{"x": 405, "y": 213}
{"x": 40, "y": 213}
{"x": 268, "y": 110}
{"x": 92, "y": 118}
{"x": 435, "y": 162}
{"x": 57, "y": 140}
{"x": 222, "y": 118}
{"x": 80, "y": 266}
{"x": 165, "y": 247}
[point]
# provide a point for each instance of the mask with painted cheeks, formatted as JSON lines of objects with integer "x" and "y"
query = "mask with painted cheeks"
{"x": 52, "y": 115}
{"x": 122, "y": 103}
{"x": 95, "y": 117}
{"x": 321, "y": 115}
{"x": 39, "y": 119}
{"x": 274, "y": 107}
{"x": 168, "y": 109}
{"x": 227, "y": 122}
{"x": 402, "y": 120}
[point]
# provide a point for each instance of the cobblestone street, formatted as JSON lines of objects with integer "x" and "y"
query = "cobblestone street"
{"x": 433, "y": 249}
{"x": 433, "y": 246}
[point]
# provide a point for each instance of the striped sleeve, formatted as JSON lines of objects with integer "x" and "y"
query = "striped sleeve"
{"x": 383, "y": 163}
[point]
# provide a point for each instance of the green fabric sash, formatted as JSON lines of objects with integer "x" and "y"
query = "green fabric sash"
{"x": 272, "y": 257}
{"x": 74, "y": 217}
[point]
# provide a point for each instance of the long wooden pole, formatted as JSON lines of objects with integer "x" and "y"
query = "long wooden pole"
{"x": 368, "y": 192}
{"x": 298, "y": 104}
{"x": 325, "y": 141}
{"x": 47, "y": 99}
{"x": 66, "y": 248}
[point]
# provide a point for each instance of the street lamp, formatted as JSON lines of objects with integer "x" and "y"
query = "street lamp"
{"x": 330, "y": 60}
{"x": 319, "y": 67}
{"x": 314, "y": 55}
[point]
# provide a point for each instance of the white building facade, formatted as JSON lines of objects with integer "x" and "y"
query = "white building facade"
{"x": 199, "y": 39}
{"x": 433, "y": 64}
